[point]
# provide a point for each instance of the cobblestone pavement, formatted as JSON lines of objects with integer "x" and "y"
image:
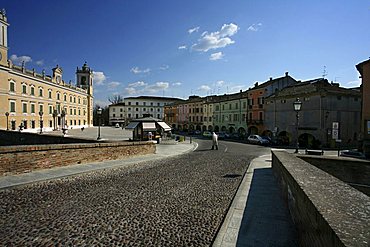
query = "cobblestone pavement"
{"x": 171, "y": 202}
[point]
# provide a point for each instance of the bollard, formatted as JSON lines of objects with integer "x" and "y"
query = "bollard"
{"x": 191, "y": 140}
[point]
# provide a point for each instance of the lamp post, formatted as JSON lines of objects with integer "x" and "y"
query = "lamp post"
{"x": 297, "y": 107}
{"x": 7, "y": 120}
{"x": 41, "y": 121}
{"x": 99, "y": 111}
{"x": 64, "y": 129}
{"x": 55, "y": 114}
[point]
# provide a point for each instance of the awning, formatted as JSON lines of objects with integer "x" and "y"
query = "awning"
{"x": 132, "y": 125}
{"x": 164, "y": 126}
{"x": 149, "y": 126}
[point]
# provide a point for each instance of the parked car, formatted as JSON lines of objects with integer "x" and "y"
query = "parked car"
{"x": 197, "y": 132}
{"x": 207, "y": 134}
{"x": 353, "y": 154}
{"x": 267, "y": 140}
{"x": 256, "y": 139}
{"x": 223, "y": 135}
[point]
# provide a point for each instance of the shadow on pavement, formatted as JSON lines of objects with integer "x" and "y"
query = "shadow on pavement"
{"x": 266, "y": 220}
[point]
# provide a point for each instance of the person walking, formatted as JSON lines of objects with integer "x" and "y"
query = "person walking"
{"x": 214, "y": 141}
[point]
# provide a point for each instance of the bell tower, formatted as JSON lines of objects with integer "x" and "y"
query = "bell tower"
{"x": 85, "y": 78}
{"x": 3, "y": 38}
{"x": 85, "y": 81}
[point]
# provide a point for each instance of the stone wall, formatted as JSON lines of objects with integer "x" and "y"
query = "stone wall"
{"x": 8, "y": 138}
{"x": 354, "y": 172}
{"x": 325, "y": 210}
{"x": 20, "y": 159}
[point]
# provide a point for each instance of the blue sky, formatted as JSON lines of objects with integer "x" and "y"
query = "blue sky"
{"x": 178, "y": 48}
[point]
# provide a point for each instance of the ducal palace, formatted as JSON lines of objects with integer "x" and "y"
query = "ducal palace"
{"x": 34, "y": 102}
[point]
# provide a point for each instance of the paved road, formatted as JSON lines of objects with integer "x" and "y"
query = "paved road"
{"x": 172, "y": 202}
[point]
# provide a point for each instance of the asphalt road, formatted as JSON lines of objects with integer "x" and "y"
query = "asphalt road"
{"x": 177, "y": 201}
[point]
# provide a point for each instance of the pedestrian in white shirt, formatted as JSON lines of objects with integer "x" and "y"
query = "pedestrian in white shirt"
{"x": 214, "y": 141}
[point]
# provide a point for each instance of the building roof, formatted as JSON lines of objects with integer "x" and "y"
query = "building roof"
{"x": 360, "y": 66}
{"x": 271, "y": 81}
{"x": 154, "y": 97}
{"x": 314, "y": 86}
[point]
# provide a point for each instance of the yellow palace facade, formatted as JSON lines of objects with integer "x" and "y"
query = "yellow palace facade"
{"x": 33, "y": 102}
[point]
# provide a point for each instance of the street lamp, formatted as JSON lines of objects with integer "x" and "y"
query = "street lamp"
{"x": 297, "y": 107}
{"x": 41, "y": 121}
{"x": 99, "y": 111}
{"x": 7, "y": 120}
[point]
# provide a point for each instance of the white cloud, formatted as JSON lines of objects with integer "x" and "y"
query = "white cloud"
{"x": 99, "y": 77}
{"x": 113, "y": 84}
{"x": 216, "y": 56}
{"x": 129, "y": 90}
{"x": 137, "y": 84}
{"x": 192, "y": 30}
{"x": 356, "y": 83}
{"x": 40, "y": 62}
{"x": 19, "y": 60}
{"x": 158, "y": 86}
{"x": 137, "y": 70}
{"x": 144, "y": 88}
{"x": 182, "y": 47}
{"x": 254, "y": 27}
{"x": 217, "y": 39}
{"x": 164, "y": 67}
{"x": 175, "y": 84}
{"x": 220, "y": 83}
{"x": 204, "y": 88}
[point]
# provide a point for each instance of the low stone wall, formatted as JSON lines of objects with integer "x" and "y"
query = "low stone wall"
{"x": 8, "y": 138}
{"x": 325, "y": 210}
{"x": 354, "y": 172}
{"x": 20, "y": 159}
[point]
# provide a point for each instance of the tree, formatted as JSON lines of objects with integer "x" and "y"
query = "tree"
{"x": 115, "y": 99}
{"x": 104, "y": 116}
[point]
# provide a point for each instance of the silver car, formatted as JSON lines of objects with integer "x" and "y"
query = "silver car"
{"x": 256, "y": 139}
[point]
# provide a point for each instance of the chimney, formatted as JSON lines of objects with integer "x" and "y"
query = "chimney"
{"x": 286, "y": 74}
{"x": 270, "y": 78}
{"x": 256, "y": 84}
{"x": 241, "y": 91}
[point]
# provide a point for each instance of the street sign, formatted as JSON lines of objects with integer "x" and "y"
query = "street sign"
{"x": 335, "y": 134}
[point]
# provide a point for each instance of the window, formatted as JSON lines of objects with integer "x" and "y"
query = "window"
{"x": 261, "y": 116}
{"x": 129, "y": 115}
{"x": 151, "y": 103}
{"x": 24, "y": 107}
{"x": 158, "y": 115}
{"x": 151, "y": 109}
{"x": 50, "y": 109}
{"x": 250, "y": 116}
{"x": 79, "y": 112}
{"x": 244, "y": 105}
{"x": 236, "y": 106}
{"x": 65, "y": 97}
{"x": 33, "y": 125}
{"x": 74, "y": 99}
{"x": 32, "y": 108}
{"x": 137, "y": 103}
{"x": 41, "y": 108}
{"x": 24, "y": 88}
{"x": 129, "y": 103}
{"x": 41, "y": 92}
{"x": 129, "y": 109}
{"x": 144, "y": 103}
{"x": 158, "y": 110}
{"x": 229, "y": 106}
{"x": 32, "y": 90}
{"x": 144, "y": 109}
{"x": 114, "y": 115}
{"x": 11, "y": 86}
{"x": 49, "y": 94}
{"x": 70, "y": 111}
{"x": 121, "y": 109}
{"x": 70, "y": 98}
{"x": 79, "y": 100}
{"x": 12, "y": 106}
{"x": 158, "y": 104}
{"x": 58, "y": 96}
{"x": 114, "y": 109}
{"x": 74, "y": 112}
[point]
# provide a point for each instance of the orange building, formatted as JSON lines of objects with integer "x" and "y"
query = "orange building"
{"x": 256, "y": 101}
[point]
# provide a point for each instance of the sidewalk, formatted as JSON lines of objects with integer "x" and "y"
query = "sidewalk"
{"x": 162, "y": 151}
{"x": 257, "y": 216}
